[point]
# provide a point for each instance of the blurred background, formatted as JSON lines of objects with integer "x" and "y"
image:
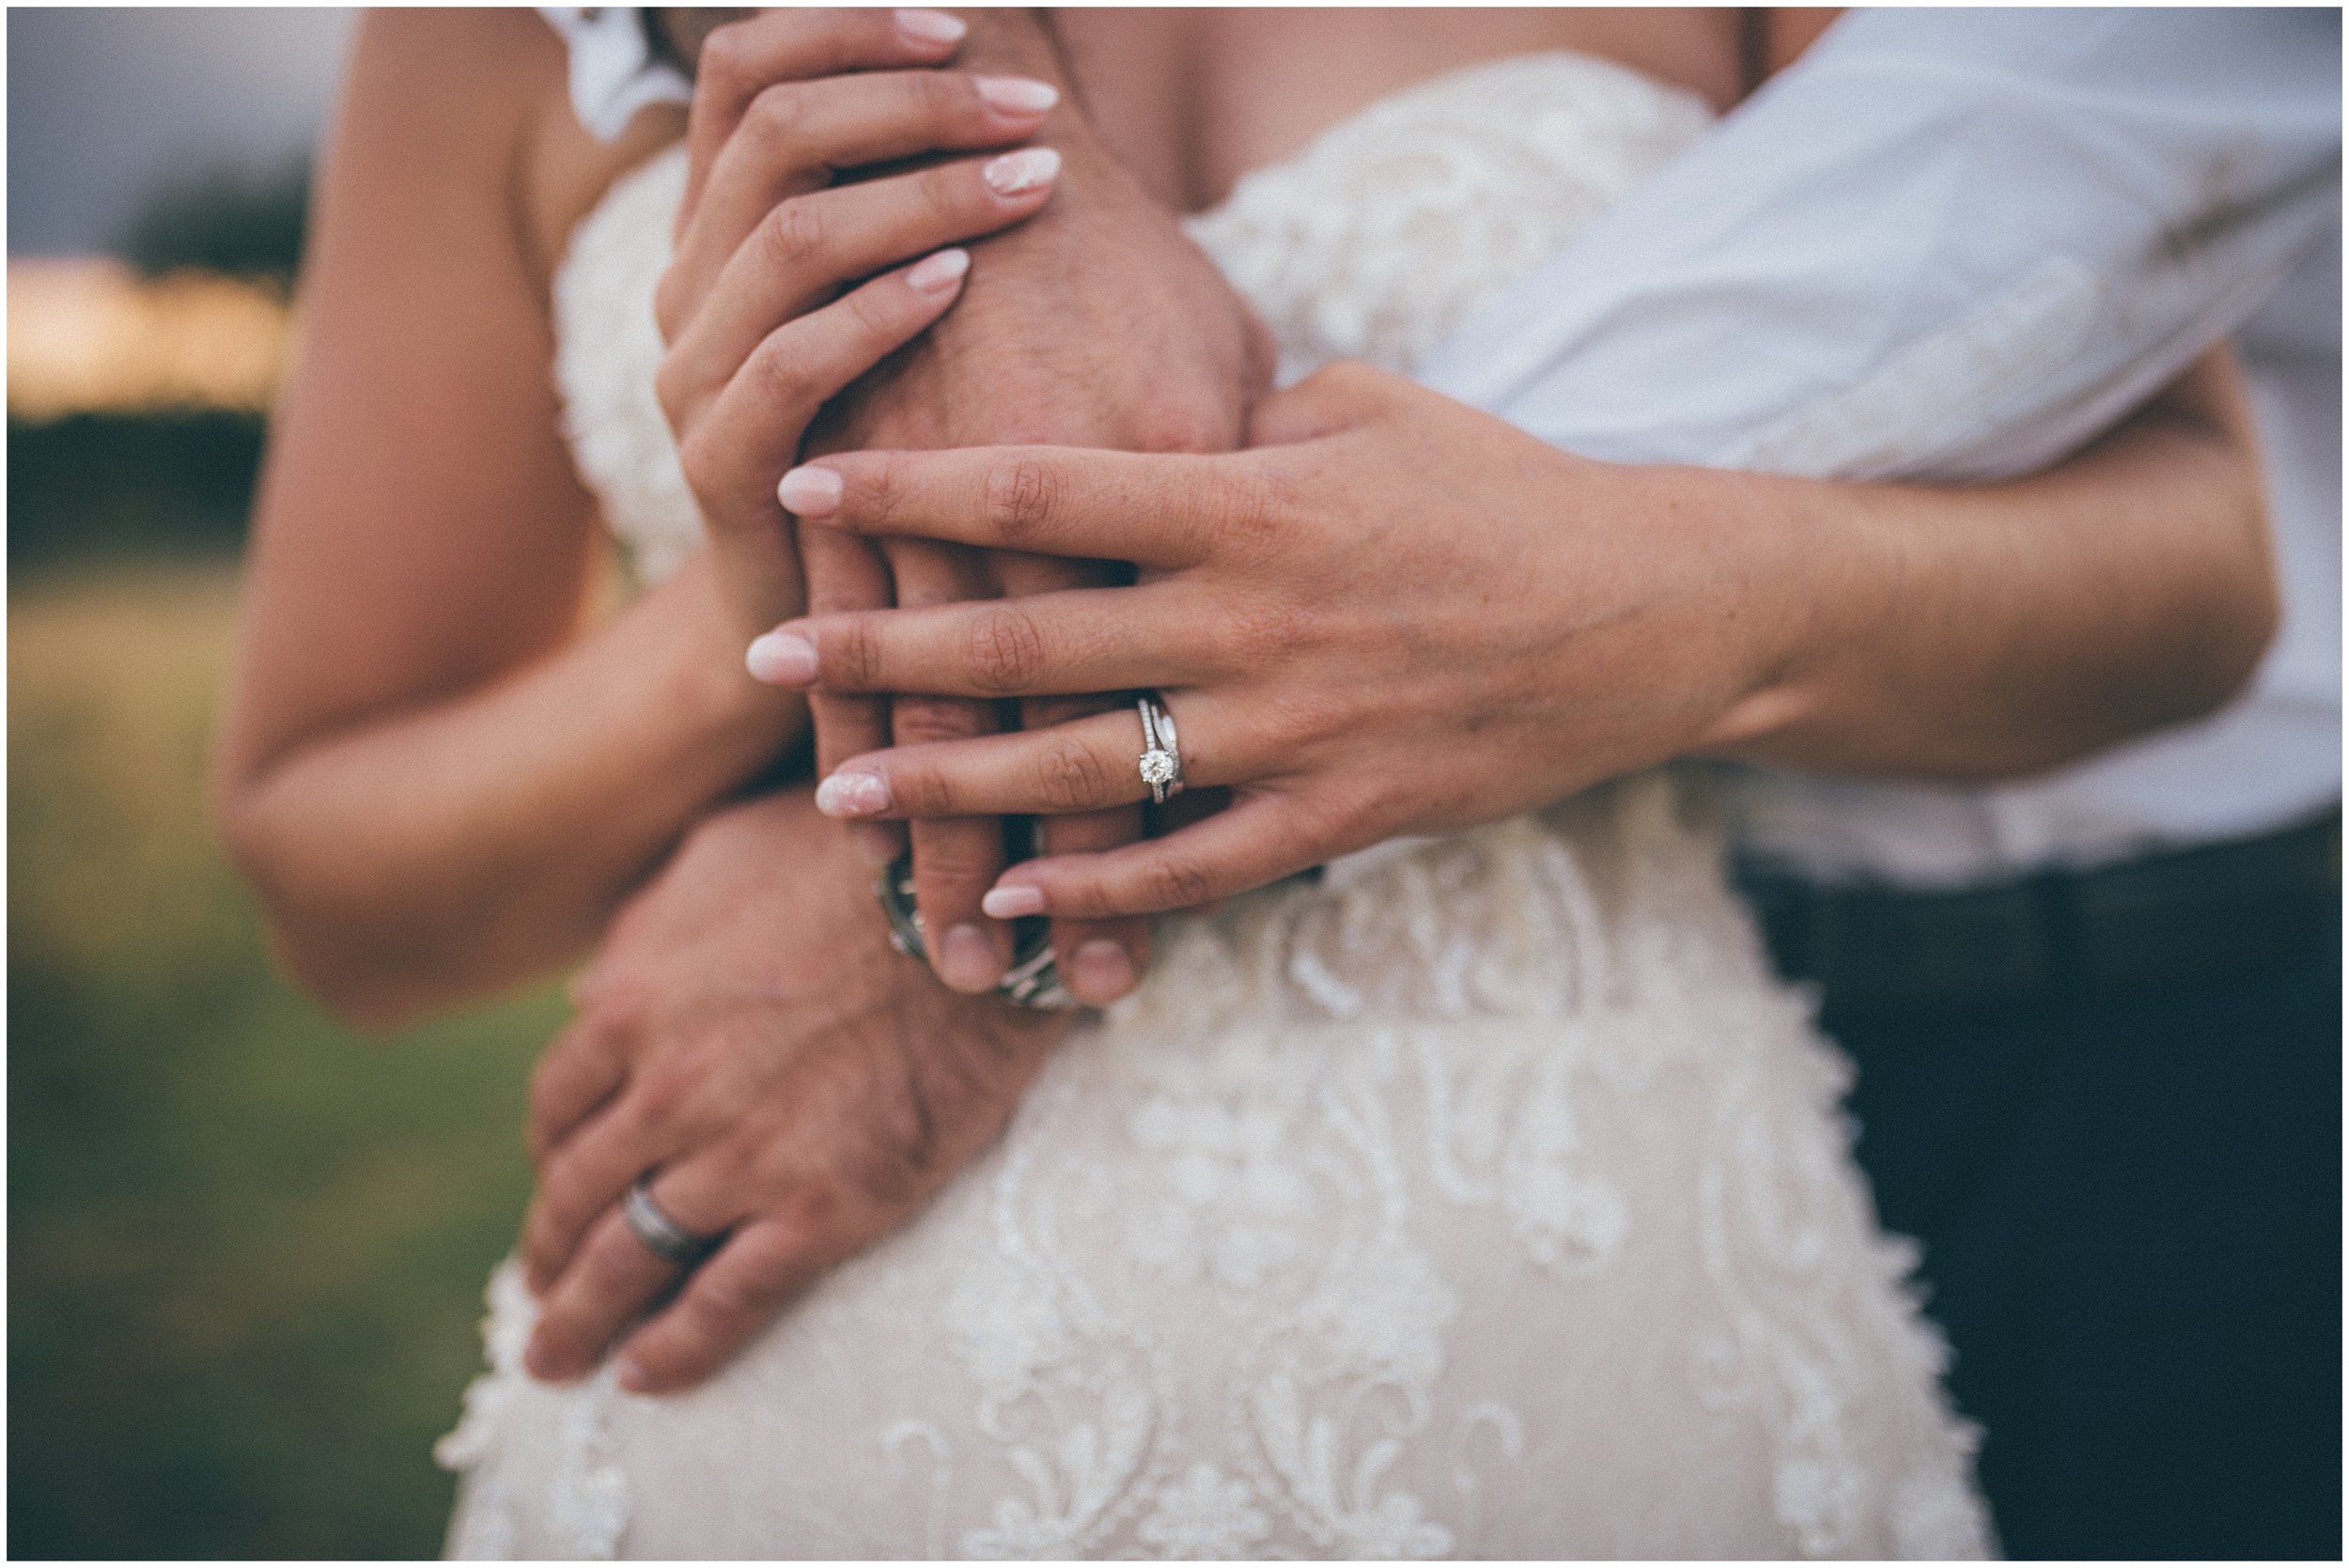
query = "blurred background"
{"x": 246, "y": 1247}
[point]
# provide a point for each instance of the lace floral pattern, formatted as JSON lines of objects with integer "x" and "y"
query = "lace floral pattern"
{"x": 1488, "y": 1200}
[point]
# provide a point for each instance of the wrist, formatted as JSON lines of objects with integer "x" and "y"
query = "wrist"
{"x": 1798, "y": 583}
{"x": 745, "y": 722}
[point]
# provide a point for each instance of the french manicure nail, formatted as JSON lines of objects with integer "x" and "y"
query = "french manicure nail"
{"x": 937, "y": 274}
{"x": 1024, "y": 170}
{"x": 1016, "y": 95}
{"x": 967, "y": 961}
{"x": 852, "y": 793}
{"x": 1099, "y": 972}
{"x": 782, "y": 659}
{"x": 811, "y": 491}
{"x": 1011, "y": 903}
{"x": 922, "y": 25}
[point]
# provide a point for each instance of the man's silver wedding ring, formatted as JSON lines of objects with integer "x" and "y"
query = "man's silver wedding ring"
{"x": 1161, "y": 758}
{"x": 662, "y": 1237}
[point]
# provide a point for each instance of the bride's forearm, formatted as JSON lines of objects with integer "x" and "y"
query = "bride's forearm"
{"x": 428, "y": 854}
{"x": 1997, "y": 630}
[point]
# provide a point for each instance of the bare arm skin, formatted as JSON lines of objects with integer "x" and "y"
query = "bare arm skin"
{"x": 1403, "y": 616}
{"x": 440, "y": 780}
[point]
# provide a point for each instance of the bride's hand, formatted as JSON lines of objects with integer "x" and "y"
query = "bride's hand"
{"x": 747, "y": 1033}
{"x": 1398, "y": 616}
{"x": 759, "y": 332}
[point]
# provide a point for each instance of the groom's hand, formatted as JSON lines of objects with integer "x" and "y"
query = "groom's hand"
{"x": 1098, "y": 324}
{"x": 747, "y": 1033}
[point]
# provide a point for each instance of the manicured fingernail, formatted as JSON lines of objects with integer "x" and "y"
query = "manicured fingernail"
{"x": 1099, "y": 972}
{"x": 847, "y": 794}
{"x": 1024, "y": 170}
{"x": 1011, "y": 903}
{"x": 1016, "y": 95}
{"x": 781, "y": 659}
{"x": 541, "y": 1363}
{"x": 921, "y": 25}
{"x": 634, "y": 1378}
{"x": 875, "y": 844}
{"x": 937, "y": 274}
{"x": 811, "y": 491}
{"x": 967, "y": 961}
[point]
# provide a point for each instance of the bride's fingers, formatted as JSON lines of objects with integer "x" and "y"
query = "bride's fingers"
{"x": 1157, "y": 510}
{"x": 792, "y": 254}
{"x": 1072, "y": 643}
{"x": 1259, "y": 839}
{"x": 616, "y": 1276}
{"x": 1086, "y": 765}
{"x": 731, "y": 455}
{"x": 728, "y": 1299}
{"x": 845, "y": 573}
{"x": 955, "y": 859}
{"x": 741, "y": 59}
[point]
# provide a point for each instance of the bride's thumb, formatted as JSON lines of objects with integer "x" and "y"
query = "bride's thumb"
{"x": 1335, "y": 397}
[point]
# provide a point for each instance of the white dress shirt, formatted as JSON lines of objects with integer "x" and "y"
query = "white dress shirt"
{"x": 1959, "y": 244}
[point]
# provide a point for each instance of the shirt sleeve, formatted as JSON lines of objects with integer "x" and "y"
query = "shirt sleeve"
{"x": 1944, "y": 245}
{"x": 613, "y": 69}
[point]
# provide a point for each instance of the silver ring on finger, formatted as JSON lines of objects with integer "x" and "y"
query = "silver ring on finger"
{"x": 662, "y": 1237}
{"x": 1161, "y": 761}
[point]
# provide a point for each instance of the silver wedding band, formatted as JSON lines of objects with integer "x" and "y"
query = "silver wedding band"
{"x": 1161, "y": 757}
{"x": 662, "y": 1237}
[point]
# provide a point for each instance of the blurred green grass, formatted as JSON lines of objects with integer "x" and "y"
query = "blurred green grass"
{"x": 246, "y": 1247}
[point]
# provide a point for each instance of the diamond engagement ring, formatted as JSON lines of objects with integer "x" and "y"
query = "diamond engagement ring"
{"x": 662, "y": 1237}
{"x": 1161, "y": 759}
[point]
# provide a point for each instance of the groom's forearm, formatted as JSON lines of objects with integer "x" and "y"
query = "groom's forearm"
{"x": 1995, "y": 631}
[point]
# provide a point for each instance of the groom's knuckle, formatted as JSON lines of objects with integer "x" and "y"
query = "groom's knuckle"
{"x": 661, "y": 1097}
{"x": 916, "y": 720}
{"x": 1005, "y": 650}
{"x": 1019, "y": 497}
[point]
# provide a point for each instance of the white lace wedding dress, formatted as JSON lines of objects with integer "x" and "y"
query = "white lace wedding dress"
{"x": 1487, "y": 1198}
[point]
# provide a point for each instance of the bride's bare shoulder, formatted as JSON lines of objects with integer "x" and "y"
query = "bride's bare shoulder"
{"x": 444, "y": 94}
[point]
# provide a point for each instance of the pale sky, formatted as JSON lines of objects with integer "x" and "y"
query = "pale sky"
{"x": 104, "y": 104}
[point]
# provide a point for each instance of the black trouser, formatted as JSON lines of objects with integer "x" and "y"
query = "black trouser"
{"x": 2130, "y": 1206}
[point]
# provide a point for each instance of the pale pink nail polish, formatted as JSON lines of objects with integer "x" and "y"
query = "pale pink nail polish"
{"x": 634, "y": 1378}
{"x": 1024, "y": 170}
{"x": 1016, "y": 95}
{"x": 781, "y": 659}
{"x": 1011, "y": 903}
{"x": 852, "y": 793}
{"x": 937, "y": 274}
{"x": 811, "y": 491}
{"x": 967, "y": 960}
{"x": 922, "y": 25}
